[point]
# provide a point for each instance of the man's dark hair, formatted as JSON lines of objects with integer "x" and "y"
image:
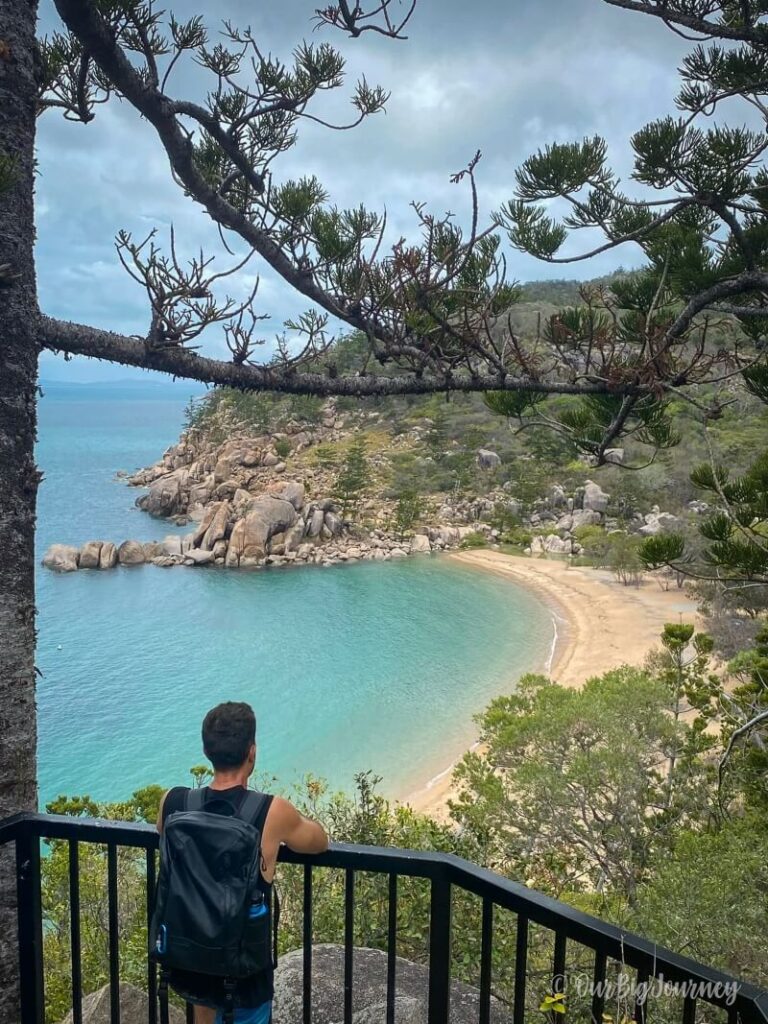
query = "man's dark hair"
{"x": 229, "y": 729}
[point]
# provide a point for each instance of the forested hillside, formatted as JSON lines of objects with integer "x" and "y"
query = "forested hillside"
{"x": 405, "y": 464}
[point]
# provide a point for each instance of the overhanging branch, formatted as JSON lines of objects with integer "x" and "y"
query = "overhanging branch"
{"x": 751, "y": 280}
{"x": 79, "y": 339}
{"x": 684, "y": 19}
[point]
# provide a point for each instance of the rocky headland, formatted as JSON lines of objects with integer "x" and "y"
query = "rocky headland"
{"x": 270, "y": 498}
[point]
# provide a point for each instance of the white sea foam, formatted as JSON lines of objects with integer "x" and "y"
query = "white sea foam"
{"x": 555, "y": 641}
{"x": 447, "y": 771}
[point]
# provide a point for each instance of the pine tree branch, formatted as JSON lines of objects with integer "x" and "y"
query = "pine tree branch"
{"x": 753, "y": 280}
{"x": 227, "y": 143}
{"x": 615, "y": 427}
{"x": 640, "y": 235}
{"x": 439, "y": 336}
{"x": 79, "y": 339}
{"x": 715, "y": 30}
{"x": 733, "y": 739}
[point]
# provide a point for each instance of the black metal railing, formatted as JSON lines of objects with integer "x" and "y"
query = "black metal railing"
{"x": 607, "y": 946}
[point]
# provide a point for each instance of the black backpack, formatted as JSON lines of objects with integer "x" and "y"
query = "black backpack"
{"x": 210, "y": 916}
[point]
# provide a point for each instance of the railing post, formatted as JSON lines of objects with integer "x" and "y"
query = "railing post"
{"x": 307, "y": 934}
{"x": 151, "y": 965}
{"x": 391, "y": 950}
{"x": 349, "y": 942}
{"x": 30, "y": 917}
{"x": 440, "y": 949}
{"x": 75, "y": 944}
{"x": 113, "y": 935}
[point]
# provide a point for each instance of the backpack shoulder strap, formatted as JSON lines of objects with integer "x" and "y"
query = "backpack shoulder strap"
{"x": 251, "y": 806}
{"x": 194, "y": 799}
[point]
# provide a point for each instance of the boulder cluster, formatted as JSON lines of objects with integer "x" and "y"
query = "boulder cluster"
{"x": 587, "y": 508}
{"x": 277, "y": 528}
{"x": 369, "y": 993}
{"x": 558, "y": 516}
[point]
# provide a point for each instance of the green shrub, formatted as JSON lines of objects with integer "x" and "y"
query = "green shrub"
{"x": 503, "y": 518}
{"x": 408, "y": 511}
{"x": 721, "y": 920}
{"x": 517, "y": 537}
{"x": 596, "y": 543}
{"x": 624, "y": 558}
{"x": 306, "y": 407}
{"x": 283, "y": 447}
{"x": 474, "y": 540}
{"x": 354, "y": 476}
{"x": 326, "y": 456}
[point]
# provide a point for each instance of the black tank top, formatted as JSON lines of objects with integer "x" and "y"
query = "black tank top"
{"x": 251, "y": 992}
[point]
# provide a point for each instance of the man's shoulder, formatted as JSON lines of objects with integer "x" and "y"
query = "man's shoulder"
{"x": 280, "y": 809}
{"x": 177, "y": 792}
{"x": 174, "y": 800}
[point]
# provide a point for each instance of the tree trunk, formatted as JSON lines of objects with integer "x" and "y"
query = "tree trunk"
{"x": 18, "y": 475}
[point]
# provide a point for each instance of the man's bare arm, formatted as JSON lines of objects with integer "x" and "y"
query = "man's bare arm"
{"x": 160, "y": 812}
{"x": 297, "y": 832}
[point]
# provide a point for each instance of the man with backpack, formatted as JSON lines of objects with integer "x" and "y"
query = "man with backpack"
{"x": 214, "y": 928}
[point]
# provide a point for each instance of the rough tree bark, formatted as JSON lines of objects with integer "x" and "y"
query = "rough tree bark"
{"x": 18, "y": 475}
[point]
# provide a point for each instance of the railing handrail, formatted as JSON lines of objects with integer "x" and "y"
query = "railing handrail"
{"x": 448, "y": 869}
{"x": 536, "y": 907}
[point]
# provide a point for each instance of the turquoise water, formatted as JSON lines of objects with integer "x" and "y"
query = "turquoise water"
{"x": 376, "y": 666}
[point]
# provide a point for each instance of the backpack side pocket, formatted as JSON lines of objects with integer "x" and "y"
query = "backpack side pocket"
{"x": 255, "y": 946}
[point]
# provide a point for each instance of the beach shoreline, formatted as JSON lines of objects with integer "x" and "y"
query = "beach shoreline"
{"x": 599, "y": 624}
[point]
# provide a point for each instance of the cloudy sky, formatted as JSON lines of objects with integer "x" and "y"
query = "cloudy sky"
{"x": 502, "y": 76}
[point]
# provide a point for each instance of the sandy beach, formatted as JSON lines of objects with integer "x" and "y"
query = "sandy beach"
{"x": 600, "y": 624}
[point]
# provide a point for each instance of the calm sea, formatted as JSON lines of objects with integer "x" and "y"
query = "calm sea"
{"x": 373, "y": 666}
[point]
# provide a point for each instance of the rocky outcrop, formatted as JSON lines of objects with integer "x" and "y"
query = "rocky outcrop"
{"x": 175, "y": 545}
{"x": 62, "y": 558}
{"x": 90, "y": 555}
{"x": 614, "y": 456}
{"x": 249, "y": 541}
{"x": 698, "y": 507}
{"x": 195, "y": 556}
{"x": 213, "y": 526}
{"x": 551, "y": 544}
{"x": 369, "y": 991}
{"x": 557, "y": 497}
{"x": 134, "y": 1008}
{"x": 198, "y": 471}
{"x": 166, "y": 496}
{"x": 595, "y": 498}
{"x": 333, "y": 525}
{"x": 107, "y": 555}
{"x": 250, "y": 502}
{"x": 292, "y": 491}
{"x": 131, "y": 552}
{"x": 658, "y": 522}
{"x": 487, "y": 459}
{"x": 581, "y": 517}
{"x": 420, "y": 545}
{"x": 270, "y": 535}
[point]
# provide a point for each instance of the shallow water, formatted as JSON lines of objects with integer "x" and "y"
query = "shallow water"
{"x": 373, "y": 666}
